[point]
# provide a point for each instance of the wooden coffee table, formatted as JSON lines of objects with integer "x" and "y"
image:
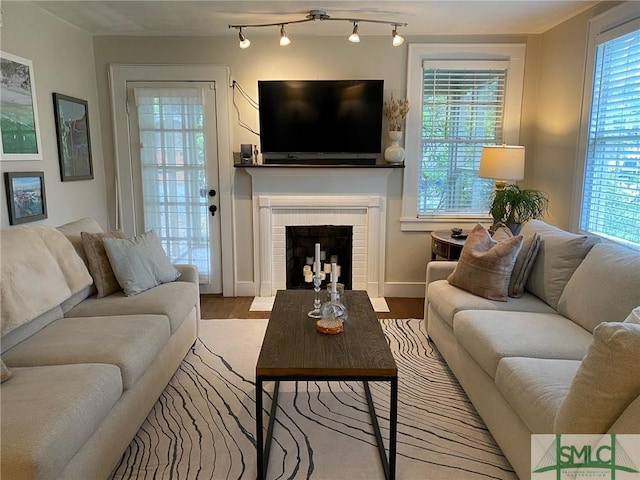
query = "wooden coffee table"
{"x": 293, "y": 350}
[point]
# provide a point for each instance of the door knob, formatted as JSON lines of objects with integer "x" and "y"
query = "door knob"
{"x": 212, "y": 193}
{"x": 213, "y": 209}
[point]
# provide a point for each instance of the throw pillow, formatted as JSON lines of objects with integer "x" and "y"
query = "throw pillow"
{"x": 5, "y": 373}
{"x": 139, "y": 263}
{"x": 485, "y": 266}
{"x": 634, "y": 316}
{"x": 524, "y": 262}
{"x": 606, "y": 382}
{"x": 98, "y": 261}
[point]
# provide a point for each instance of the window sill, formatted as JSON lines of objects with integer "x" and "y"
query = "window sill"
{"x": 444, "y": 222}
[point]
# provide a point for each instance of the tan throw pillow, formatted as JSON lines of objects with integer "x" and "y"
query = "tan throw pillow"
{"x": 485, "y": 266}
{"x": 5, "y": 373}
{"x": 99, "y": 264}
{"x": 606, "y": 382}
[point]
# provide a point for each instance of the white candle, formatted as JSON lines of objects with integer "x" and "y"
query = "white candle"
{"x": 309, "y": 261}
{"x": 308, "y": 277}
{"x": 334, "y": 258}
{"x": 323, "y": 276}
{"x": 338, "y": 271}
{"x": 334, "y": 276}
{"x": 306, "y": 269}
{"x": 323, "y": 255}
{"x": 317, "y": 259}
{"x": 327, "y": 268}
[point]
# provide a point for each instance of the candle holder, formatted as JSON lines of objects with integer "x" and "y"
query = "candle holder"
{"x": 317, "y": 281}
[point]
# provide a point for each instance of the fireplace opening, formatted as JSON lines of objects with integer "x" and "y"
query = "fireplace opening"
{"x": 335, "y": 241}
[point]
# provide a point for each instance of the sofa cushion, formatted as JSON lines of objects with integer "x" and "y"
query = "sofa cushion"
{"x": 490, "y": 336}
{"x": 46, "y": 430}
{"x": 129, "y": 342}
{"x": 609, "y": 271}
{"x": 72, "y": 231}
{"x": 606, "y": 382}
{"x": 485, "y": 266}
{"x": 174, "y": 300}
{"x": 448, "y": 300}
{"x": 139, "y": 263}
{"x": 629, "y": 420}
{"x": 99, "y": 265}
{"x": 535, "y": 388}
{"x": 559, "y": 255}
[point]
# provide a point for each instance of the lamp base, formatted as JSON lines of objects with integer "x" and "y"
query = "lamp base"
{"x": 500, "y": 184}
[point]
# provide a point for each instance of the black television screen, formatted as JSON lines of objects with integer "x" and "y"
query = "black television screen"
{"x": 320, "y": 116}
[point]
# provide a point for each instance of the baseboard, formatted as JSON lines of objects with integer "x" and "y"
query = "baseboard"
{"x": 246, "y": 289}
{"x": 404, "y": 289}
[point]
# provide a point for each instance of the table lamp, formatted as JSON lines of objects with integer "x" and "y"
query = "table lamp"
{"x": 502, "y": 163}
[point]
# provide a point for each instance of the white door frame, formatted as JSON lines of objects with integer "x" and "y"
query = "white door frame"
{"x": 119, "y": 75}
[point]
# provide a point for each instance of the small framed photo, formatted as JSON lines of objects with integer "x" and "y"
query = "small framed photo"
{"x": 74, "y": 140}
{"x": 19, "y": 125}
{"x": 26, "y": 198}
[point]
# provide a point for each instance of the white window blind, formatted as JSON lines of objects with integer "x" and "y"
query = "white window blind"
{"x": 463, "y": 107}
{"x": 611, "y": 194}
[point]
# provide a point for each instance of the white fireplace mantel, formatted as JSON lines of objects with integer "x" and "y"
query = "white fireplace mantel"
{"x": 290, "y": 196}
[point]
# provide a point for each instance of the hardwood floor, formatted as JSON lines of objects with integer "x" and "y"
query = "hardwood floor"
{"x": 217, "y": 306}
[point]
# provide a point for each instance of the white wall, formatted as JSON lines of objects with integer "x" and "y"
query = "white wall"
{"x": 308, "y": 57}
{"x": 62, "y": 59}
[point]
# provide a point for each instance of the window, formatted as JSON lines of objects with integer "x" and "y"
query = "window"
{"x": 462, "y": 110}
{"x": 610, "y": 203}
{"x": 462, "y": 97}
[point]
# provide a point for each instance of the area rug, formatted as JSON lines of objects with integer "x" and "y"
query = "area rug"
{"x": 265, "y": 304}
{"x": 203, "y": 426}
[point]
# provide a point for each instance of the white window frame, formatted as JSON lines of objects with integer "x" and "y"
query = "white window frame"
{"x": 611, "y": 24}
{"x": 514, "y": 54}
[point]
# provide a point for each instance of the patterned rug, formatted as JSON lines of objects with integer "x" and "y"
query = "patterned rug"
{"x": 203, "y": 426}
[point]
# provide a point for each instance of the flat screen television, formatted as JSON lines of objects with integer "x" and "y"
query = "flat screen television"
{"x": 320, "y": 119}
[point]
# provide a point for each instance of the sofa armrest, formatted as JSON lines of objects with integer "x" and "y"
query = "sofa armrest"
{"x": 188, "y": 273}
{"x": 439, "y": 270}
{"x": 435, "y": 271}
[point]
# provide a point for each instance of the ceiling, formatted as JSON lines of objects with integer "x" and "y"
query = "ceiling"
{"x": 149, "y": 17}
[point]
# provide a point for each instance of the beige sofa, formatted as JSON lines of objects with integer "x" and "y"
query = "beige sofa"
{"x": 516, "y": 360}
{"x": 87, "y": 371}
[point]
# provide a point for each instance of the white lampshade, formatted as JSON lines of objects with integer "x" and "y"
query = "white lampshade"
{"x": 502, "y": 162}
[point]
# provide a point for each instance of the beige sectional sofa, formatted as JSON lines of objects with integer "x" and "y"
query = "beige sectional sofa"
{"x": 517, "y": 359}
{"x": 86, "y": 372}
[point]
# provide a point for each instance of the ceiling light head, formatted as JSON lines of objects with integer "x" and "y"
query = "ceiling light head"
{"x": 354, "y": 37}
{"x": 244, "y": 42}
{"x": 397, "y": 39}
{"x": 284, "y": 40}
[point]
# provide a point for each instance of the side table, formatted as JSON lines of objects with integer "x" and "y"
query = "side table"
{"x": 444, "y": 246}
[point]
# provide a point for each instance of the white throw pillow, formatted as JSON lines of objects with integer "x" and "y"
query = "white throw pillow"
{"x": 139, "y": 263}
{"x": 606, "y": 383}
{"x": 634, "y": 316}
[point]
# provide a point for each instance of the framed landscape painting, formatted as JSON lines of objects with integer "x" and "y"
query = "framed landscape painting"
{"x": 74, "y": 141}
{"x": 26, "y": 198}
{"x": 19, "y": 111}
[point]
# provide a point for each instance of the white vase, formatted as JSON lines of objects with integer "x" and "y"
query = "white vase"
{"x": 394, "y": 153}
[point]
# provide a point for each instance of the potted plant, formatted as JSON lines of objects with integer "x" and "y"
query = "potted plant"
{"x": 514, "y": 206}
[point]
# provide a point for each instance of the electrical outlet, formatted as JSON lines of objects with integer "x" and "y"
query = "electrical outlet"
{"x": 231, "y": 81}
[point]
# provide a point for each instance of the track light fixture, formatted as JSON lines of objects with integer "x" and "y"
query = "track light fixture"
{"x": 354, "y": 37}
{"x": 314, "y": 15}
{"x": 284, "y": 40}
{"x": 244, "y": 42}
{"x": 397, "y": 39}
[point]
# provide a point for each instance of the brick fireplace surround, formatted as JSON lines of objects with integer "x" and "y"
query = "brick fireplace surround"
{"x": 305, "y": 196}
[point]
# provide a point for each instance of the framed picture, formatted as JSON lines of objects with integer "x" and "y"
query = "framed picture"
{"x": 19, "y": 122}
{"x": 74, "y": 141}
{"x": 26, "y": 199}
